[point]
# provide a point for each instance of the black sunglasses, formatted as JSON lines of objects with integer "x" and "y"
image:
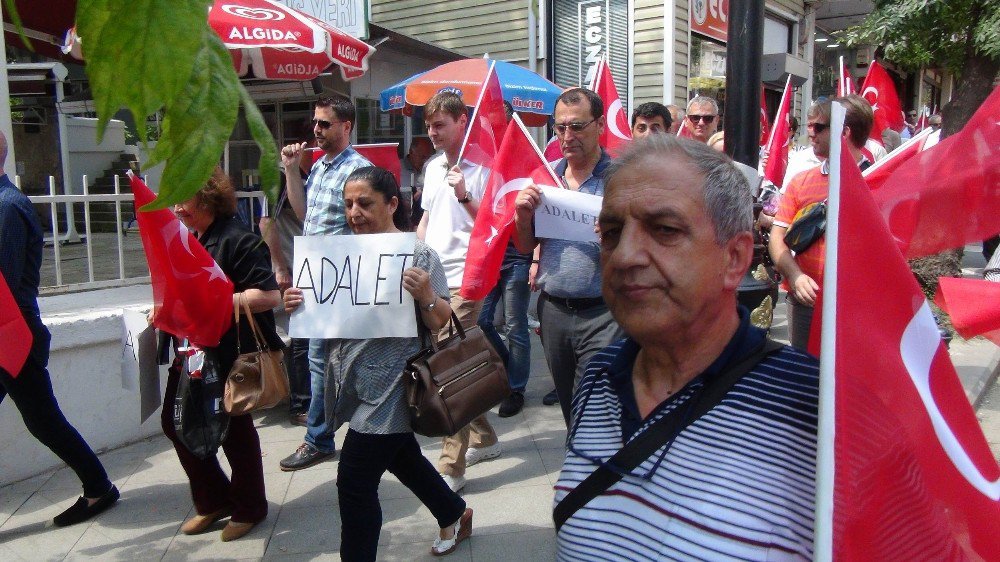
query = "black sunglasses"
{"x": 575, "y": 127}
{"x": 706, "y": 118}
{"x": 324, "y": 124}
{"x": 818, "y": 127}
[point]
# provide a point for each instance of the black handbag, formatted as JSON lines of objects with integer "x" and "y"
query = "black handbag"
{"x": 200, "y": 422}
{"x": 808, "y": 226}
{"x": 454, "y": 381}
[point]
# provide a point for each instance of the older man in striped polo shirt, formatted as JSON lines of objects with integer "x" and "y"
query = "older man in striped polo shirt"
{"x": 694, "y": 437}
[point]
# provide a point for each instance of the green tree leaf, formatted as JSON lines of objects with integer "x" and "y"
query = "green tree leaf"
{"x": 140, "y": 53}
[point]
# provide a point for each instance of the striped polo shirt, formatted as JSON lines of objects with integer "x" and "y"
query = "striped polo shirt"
{"x": 736, "y": 484}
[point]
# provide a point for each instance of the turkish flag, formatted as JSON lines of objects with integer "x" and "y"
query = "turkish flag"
{"x": 845, "y": 85}
{"x": 552, "y": 151}
{"x": 384, "y": 155}
{"x": 14, "y": 332}
{"x": 684, "y": 131}
{"x": 617, "y": 131}
{"x": 488, "y": 123}
{"x": 518, "y": 164}
{"x": 912, "y": 475}
{"x": 972, "y": 304}
{"x": 192, "y": 297}
{"x": 777, "y": 145}
{"x": 922, "y": 120}
{"x": 876, "y": 174}
{"x": 765, "y": 127}
{"x": 947, "y": 196}
{"x": 880, "y": 91}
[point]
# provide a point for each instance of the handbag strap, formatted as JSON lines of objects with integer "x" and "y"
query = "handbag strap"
{"x": 656, "y": 435}
{"x": 427, "y": 339}
{"x": 257, "y": 336}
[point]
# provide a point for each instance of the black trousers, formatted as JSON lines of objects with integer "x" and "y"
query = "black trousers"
{"x": 363, "y": 460}
{"x": 299, "y": 378}
{"x": 32, "y": 394}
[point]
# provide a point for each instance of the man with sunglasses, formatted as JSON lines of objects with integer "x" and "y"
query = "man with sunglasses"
{"x": 319, "y": 203}
{"x": 803, "y": 272}
{"x": 702, "y": 118}
{"x": 694, "y": 437}
{"x": 575, "y": 321}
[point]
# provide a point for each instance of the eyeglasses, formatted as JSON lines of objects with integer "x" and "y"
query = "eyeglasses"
{"x": 575, "y": 127}
{"x": 818, "y": 127}
{"x": 706, "y": 118}
{"x": 324, "y": 124}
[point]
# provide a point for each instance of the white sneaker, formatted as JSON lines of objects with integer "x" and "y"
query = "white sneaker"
{"x": 456, "y": 483}
{"x": 475, "y": 455}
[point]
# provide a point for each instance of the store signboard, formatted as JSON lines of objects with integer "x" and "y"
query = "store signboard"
{"x": 588, "y": 30}
{"x": 710, "y": 18}
{"x": 349, "y": 16}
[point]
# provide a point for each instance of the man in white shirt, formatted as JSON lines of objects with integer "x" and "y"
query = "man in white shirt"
{"x": 451, "y": 196}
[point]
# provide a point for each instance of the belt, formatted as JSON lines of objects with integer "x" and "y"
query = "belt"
{"x": 575, "y": 304}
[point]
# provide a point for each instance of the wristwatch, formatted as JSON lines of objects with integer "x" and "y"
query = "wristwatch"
{"x": 465, "y": 199}
{"x": 430, "y": 306}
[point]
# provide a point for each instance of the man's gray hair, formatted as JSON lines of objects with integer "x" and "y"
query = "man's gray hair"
{"x": 704, "y": 100}
{"x": 727, "y": 193}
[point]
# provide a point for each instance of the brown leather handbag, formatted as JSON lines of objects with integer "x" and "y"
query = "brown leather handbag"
{"x": 257, "y": 380}
{"x": 454, "y": 381}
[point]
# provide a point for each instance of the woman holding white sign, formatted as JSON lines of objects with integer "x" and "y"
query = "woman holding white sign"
{"x": 367, "y": 374}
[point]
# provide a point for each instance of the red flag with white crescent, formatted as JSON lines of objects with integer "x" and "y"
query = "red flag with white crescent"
{"x": 913, "y": 477}
{"x": 777, "y": 145}
{"x": 880, "y": 91}
{"x": 487, "y": 125}
{"x": 192, "y": 297}
{"x": 765, "y": 126}
{"x": 518, "y": 164}
{"x": 617, "y": 131}
{"x": 876, "y": 174}
{"x": 946, "y": 196}
{"x": 14, "y": 332}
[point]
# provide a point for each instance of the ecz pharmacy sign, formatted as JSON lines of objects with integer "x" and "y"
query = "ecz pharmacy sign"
{"x": 594, "y": 30}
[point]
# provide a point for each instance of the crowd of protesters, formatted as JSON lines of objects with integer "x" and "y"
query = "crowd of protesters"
{"x": 646, "y": 345}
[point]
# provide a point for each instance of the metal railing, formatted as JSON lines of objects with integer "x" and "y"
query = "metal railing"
{"x": 78, "y": 261}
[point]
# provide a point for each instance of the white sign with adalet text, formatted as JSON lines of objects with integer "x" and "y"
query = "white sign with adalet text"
{"x": 567, "y": 215}
{"x": 352, "y": 286}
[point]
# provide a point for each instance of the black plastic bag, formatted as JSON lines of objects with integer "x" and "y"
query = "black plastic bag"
{"x": 200, "y": 421}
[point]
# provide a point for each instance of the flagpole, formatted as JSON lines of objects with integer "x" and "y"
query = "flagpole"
{"x": 774, "y": 124}
{"x": 825, "y": 453}
{"x": 541, "y": 156}
{"x": 475, "y": 111}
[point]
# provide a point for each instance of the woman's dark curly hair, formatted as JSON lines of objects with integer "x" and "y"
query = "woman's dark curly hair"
{"x": 218, "y": 195}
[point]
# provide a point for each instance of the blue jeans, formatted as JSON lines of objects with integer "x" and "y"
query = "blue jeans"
{"x": 318, "y": 431}
{"x": 513, "y": 289}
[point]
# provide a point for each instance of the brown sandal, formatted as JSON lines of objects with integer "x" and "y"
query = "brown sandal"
{"x": 462, "y": 530}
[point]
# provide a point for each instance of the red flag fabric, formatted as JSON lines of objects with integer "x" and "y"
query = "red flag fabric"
{"x": 947, "y": 196}
{"x": 765, "y": 127}
{"x": 973, "y": 305}
{"x": 684, "y": 131}
{"x": 192, "y": 297}
{"x": 14, "y": 332}
{"x": 488, "y": 123}
{"x": 913, "y": 476}
{"x": 777, "y": 145}
{"x": 384, "y": 155}
{"x": 876, "y": 174}
{"x": 617, "y": 131}
{"x": 552, "y": 151}
{"x": 880, "y": 91}
{"x": 517, "y": 164}
{"x": 845, "y": 84}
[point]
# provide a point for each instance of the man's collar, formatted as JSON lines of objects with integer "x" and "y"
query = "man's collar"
{"x": 603, "y": 162}
{"x": 824, "y": 168}
{"x": 328, "y": 160}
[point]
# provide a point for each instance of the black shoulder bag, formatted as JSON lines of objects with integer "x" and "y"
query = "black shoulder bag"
{"x": 642, "y": 447}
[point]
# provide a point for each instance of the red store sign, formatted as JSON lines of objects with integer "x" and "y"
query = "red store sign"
{"x": 711, "y": 18}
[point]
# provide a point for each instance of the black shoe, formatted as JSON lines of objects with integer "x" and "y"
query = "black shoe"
{"x": 511, "y": 405}
{"x": 303, "y": 457}
{"x": 80, "y": 511}
{"x": 551, "y": 398}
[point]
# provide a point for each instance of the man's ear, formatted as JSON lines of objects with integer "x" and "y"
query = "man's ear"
{"x": 739, "y": 254}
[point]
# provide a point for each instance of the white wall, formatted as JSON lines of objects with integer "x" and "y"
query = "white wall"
{"x": 86, "y": 155}
{"x": 85, "y": 368}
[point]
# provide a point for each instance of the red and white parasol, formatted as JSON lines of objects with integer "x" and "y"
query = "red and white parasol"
{"x": 276, "y": 42}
